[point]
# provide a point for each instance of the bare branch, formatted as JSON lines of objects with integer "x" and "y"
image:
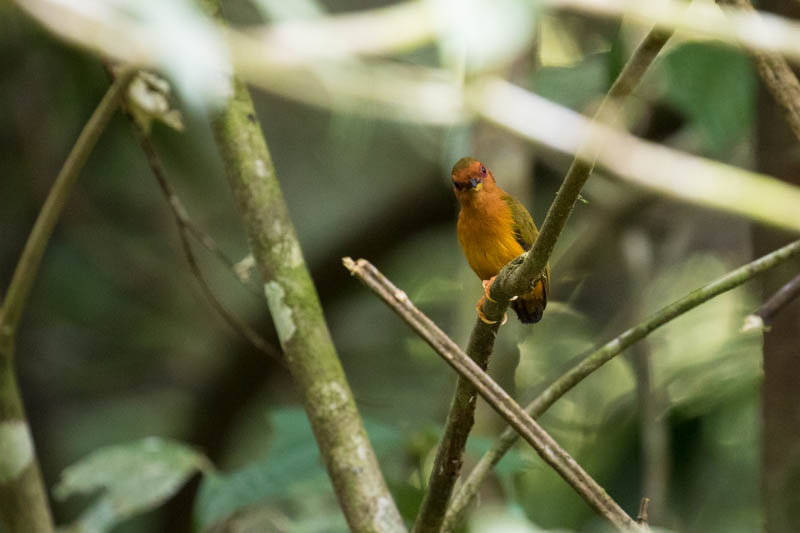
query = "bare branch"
{"x": 602, "y": 355}
{"x": 515, "y": 279}
{"x": 642, "y": 518}
{"x": 519, "y": 280}
{"x": 547, "y": 448}
{"x": 294, "y": 305}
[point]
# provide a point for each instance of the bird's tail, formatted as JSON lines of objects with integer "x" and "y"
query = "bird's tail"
{"x": 530, "y": 307}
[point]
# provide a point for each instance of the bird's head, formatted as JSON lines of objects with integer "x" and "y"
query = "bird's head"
{"x": 470, "y": 179}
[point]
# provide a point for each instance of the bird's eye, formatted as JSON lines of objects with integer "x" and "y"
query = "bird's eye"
{"x": 483, "y": 169}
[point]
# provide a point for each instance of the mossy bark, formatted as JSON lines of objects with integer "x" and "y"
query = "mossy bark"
{"x": 23, "y": 500}
{"x": 293, "y": 302}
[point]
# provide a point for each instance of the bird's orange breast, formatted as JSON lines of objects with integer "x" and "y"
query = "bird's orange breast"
{"x": 486, "y": 233}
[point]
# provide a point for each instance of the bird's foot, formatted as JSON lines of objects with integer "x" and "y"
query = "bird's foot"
{"x": 483, "y": 317}
{"x": 487, "y": 288}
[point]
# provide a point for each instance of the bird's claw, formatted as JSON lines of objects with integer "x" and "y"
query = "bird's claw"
{"x": 487, "y": 288}
{"x": 483, "y": 316}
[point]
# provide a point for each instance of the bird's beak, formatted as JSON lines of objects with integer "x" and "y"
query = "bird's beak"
{"x": 475, "y": 185}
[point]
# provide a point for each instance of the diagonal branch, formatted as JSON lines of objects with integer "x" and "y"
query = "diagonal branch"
{"x": 23, "y": 498}
{"x": 602, "y": 355}
{"x": 515, "y": 279}
{"x": 547, "y": 448}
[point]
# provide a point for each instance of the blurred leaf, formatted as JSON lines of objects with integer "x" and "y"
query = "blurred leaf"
{"x": 278, "y": 10}
{"x": 714, "y": 86}
{"x": 478, "y": 34}
{"x": 558, "y": 47}
{"x": 511, "y": 463}
{"x": 292, "y": 469}
{"x": 509, "y": 520}
{"x": 573, "y": 86}
{"x": 136, "y": 477}
{"x": 568, "y": 334}
{"x": 701, "y": 357}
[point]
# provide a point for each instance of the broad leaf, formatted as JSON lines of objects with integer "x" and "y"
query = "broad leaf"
{"x": 133, "y": 478}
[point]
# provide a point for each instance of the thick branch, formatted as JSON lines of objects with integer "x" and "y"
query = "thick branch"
{"x": 601, "y": 356}
{"x": 293, "y": 302}
{"x": 23, "y": 498}
{"x": 547, "y": 448}
{"x": 516, "y": 279}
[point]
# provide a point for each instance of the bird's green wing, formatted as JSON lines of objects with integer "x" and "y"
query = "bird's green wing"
{"x": 525, "y": 232}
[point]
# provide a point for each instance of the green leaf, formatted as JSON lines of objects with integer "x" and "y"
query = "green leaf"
{"x": 133, "y": 477}
{"x": 292, "y": 469}
{"x": 511, "y": 463}
{"x": 714, "y": 86}
{"x": 574, "y": 86}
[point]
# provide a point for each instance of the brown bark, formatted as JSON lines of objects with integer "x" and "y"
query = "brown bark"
{"x": 777, "y": 154}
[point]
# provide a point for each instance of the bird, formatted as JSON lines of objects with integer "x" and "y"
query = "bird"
{"x": 494, "y": 228}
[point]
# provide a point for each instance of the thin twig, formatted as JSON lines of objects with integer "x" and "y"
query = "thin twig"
{"x": 761, "y": 318}
{"x": 28, "y": 265}
{"x": 547, "y": 448}
{"x": 515, "y": 279}
{"x": 185, "y": 227}
{"x": 642, "y": 518}
{"x": 23, "y": 497}
{"x": 602, "y": 355}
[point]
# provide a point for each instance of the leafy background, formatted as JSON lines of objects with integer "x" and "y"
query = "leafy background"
{"x": 118, "y": 343}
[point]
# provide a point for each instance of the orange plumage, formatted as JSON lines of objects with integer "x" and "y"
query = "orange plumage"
{"x": 493, "y": 229}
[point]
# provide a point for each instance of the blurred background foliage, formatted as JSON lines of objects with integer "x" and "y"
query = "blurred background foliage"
{"x": 118, "y": 342}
